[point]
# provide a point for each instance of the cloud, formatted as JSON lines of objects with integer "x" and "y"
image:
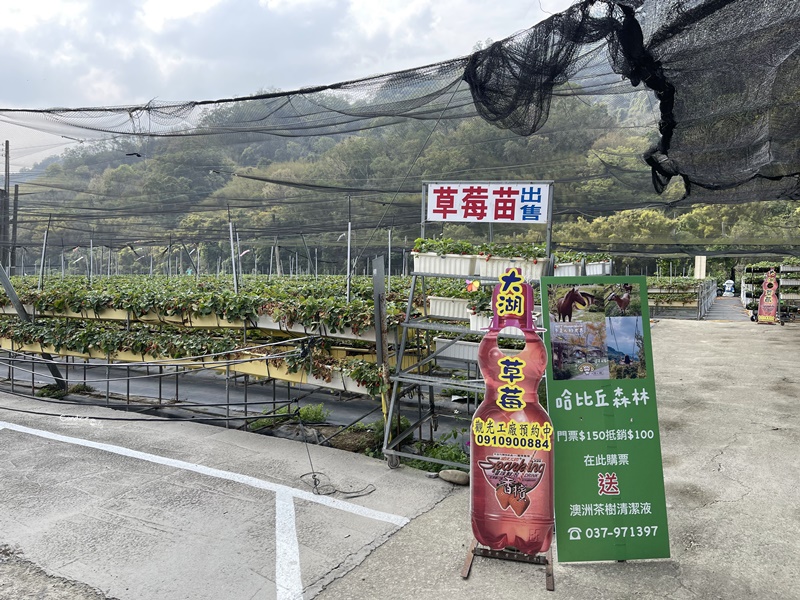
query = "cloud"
{"x": 24, "y": 16}
{"x": 391, "y": 35}
{"x": 94, "y": 52}
{"x": 101, "y": 86}
{"x": 76, "y": 53}
{"x": 286, "y": 6}
{"x": 154, "y": 14}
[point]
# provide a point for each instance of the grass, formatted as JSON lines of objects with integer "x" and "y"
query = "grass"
{"x": 81, "y": 388}
{"x": 449, "y": 451}
{"x": 51, "y": 391}
{"x": 314, "y": 413}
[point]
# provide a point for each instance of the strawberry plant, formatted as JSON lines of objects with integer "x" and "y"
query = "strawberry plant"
{"x": 442, "y": 246}
{"x": 529, "y": 251}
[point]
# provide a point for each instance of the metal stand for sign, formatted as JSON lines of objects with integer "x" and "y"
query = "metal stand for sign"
{"x": 546, "y": 559}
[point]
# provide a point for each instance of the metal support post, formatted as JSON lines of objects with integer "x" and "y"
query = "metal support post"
{"x": 246, "y": 381}
{"x": 23, "y": 315}
{"x": 13, "y": 373}
{"x": 548, "y": 244}
{"x": 349, "y": 266}
{"x": 227, "y": 396}
{"x": 423, "y": 215}
{"x": 381, "y": 331}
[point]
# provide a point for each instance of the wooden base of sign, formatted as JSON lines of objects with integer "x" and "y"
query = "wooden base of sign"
{"x": 510, "y": 554}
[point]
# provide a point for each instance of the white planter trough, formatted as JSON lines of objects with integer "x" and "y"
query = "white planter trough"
{"x": 339, "y": 381}
{"x": 449, "y": 264}
{"x": 496, "y": 266}
{"x": 479, "y": 322}
{"x": 448, "y": 308}
{"x": 598, "y": 268}
{"x": 462, "y": 350}
{"x": 567, "y": 269}
{"x": 268, "y": 323}
{"x": 458, "y": 350}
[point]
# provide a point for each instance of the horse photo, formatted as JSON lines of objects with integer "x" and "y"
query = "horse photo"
{"x": 622, "y": 301}
{"x": 575, "y": 299}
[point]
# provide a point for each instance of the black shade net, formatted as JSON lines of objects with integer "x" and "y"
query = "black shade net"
{"x": 628, "y": 104}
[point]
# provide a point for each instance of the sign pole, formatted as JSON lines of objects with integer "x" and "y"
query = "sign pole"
{"x": 349, "y": 232}
{"x": 424, "y": 210}
{"x": 548, "y": 244}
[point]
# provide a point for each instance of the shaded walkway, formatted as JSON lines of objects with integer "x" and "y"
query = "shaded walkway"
{"x": 727, "y": 309}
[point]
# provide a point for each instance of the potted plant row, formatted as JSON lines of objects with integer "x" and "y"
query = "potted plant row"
{"x": 495, "y": 259}
{"x": 144, "y": 343}
{"x": 789, "y": 292}
{"x": 451, "y": 298}
{"x": 445, "y": 256}
{"x": 570, "y": 264}
{"x": 468, "y": 349}
{"x": 448, "y": 308}
{"x": 480, "y": 311}
{"x": 791, "y": 265}
{"x": 598, "y": 264}
{"x": 567, "y": 263}
{"x": 294, "y": 305}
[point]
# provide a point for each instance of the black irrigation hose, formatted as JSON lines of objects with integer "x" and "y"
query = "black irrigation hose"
{"x": 316, "y": 484}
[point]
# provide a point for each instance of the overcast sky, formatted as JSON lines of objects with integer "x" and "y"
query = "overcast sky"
{"x": 77, "y": 53}
{"x": 96, "y": 52}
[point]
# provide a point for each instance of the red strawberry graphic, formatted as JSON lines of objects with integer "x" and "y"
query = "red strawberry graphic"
{"x": 519, "y": 504}
{"x": 503, "y": 497}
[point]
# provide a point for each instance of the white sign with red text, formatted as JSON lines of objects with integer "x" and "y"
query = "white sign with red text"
{"x": 489, "y": 202}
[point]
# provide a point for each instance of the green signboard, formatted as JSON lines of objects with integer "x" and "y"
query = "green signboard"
{"x": 601, "y": 396}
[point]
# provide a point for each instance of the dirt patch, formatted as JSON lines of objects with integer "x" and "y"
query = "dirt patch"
{"x": 20, "y": 578}
{"x": 350, "y": 440}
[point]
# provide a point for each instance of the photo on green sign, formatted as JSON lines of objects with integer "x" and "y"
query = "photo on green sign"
{"x": 596, "y": 331}
{"x": 625, "y": 344}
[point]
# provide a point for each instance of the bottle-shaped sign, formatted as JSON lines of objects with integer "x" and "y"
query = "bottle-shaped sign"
{"x": 511, "y": 456}
{"x": 768, "y": 302}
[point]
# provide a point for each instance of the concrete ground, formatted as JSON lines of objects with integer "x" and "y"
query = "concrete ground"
{"x": 156, "y": 509}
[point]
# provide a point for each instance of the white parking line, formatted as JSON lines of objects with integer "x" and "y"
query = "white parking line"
{"x": 287, "y": 552}
{"x": 287, "y": 560}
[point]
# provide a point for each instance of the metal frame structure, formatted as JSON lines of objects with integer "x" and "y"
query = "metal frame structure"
{"x": 412, "y": 379}
{"x": 27, "y": 362}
